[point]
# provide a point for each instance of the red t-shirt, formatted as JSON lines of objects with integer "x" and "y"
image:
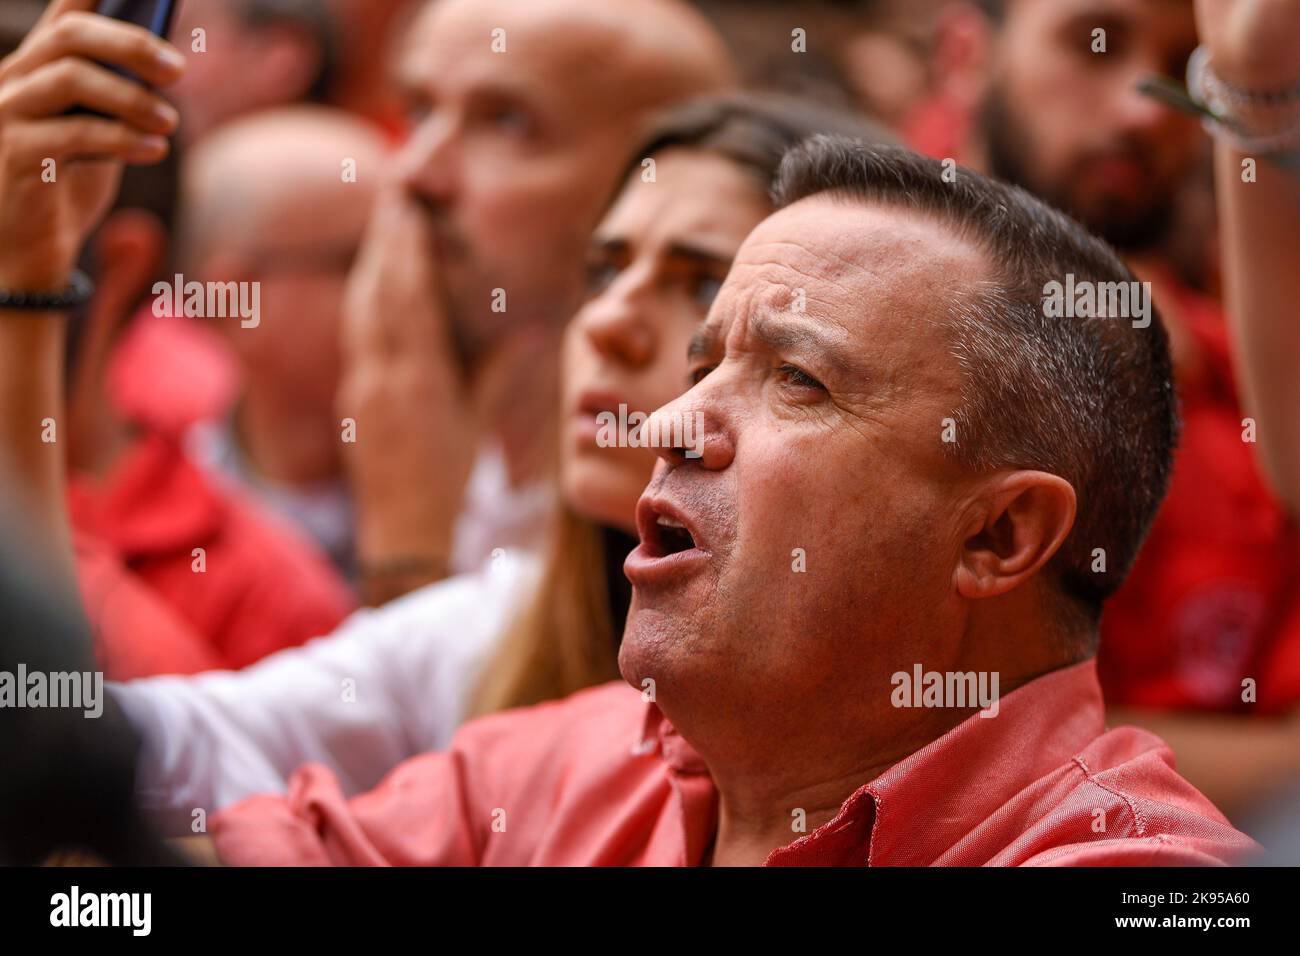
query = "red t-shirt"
{"x": 1214, "y": 597}
{"x": 166, "y": 373}
{"x": 135, "y": 634}
{"x": 255, "y": 587}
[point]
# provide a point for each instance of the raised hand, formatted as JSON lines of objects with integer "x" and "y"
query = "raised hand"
{"x": 1253, "y": 44}
{"x": 58, "y": 172}
{"x": 416, "y": 427}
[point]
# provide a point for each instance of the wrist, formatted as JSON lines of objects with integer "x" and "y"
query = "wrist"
{"x": 35, "y": 273}
{"x": 383, "y": 579}
{"x": 73, "y": 295}
{"x": 397, "y": 517}
{"x": 1252, "y": 73}
{"x": 1254, "y": 118}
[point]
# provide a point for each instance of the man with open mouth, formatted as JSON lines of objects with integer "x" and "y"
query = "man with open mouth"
{"x": 906, "y": 467}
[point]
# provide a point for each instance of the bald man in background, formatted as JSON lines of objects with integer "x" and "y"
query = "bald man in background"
{"x": 281, "y": 198}
{"x": 523, "y": 115}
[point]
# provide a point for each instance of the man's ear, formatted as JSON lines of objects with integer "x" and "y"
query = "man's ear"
{"x": 1020, "y": 521}
{"x": 128, "y": 251}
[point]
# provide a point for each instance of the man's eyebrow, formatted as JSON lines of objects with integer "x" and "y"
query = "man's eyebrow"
{"x": 684, "y": 250}
{"x": 617, "y": 245}
{"x": 704, "y": 342}
{"x": 409, "y": 88}
{"x": 609, "y": 245}
{"x": 768, "y": 328}
{"x": 504, "y": 91}
{"x": 779, "y": 331}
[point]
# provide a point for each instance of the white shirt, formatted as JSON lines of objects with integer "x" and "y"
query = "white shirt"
{"x": 494, "y": 514}
{"x": 390, "y": 683}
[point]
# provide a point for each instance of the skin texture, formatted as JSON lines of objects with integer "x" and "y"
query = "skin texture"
{"x": 265, "y": 201}
{"x": 655, "y": 263}
{"x": 909, "y": 558}
{"x": 1069, "y": 124}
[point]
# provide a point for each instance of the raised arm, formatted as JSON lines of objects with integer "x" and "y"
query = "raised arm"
{"x": 388, "y": 684}
{"x": 1253, "y": 46}
{"x": 58, "y": 176}
{"x": 1254, "y": 53}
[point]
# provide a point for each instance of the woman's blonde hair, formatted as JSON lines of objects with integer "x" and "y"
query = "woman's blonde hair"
{"x": 563, "y": 639}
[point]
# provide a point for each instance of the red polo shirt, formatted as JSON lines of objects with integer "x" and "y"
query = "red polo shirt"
{"x": 1214, "y": 597}
{"x": 261, "y": 586}
{"x": 602, "y": 779}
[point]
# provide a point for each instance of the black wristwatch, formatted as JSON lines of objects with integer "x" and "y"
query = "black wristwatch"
{"x": 77, "y": 292}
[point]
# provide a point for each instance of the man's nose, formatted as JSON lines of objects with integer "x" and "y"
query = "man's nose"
{"x": 429, "y": 163}
{"x": 1135, "y": 112}
{"x": 693, "y": 430}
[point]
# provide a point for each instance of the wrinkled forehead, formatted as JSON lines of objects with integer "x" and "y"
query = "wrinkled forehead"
{"x": 868, "y": 269}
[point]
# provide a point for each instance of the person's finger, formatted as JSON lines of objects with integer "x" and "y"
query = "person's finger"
{"x": 363, "y": 331}
{"x": 81, "y": 137}
{"x": 394, "y": 300}
{"x": 424, "y": 325}
{"x": 72, "y": 81}
{"x": 93, "y": 37}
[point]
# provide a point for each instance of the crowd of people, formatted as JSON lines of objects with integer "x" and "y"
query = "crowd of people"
{"x": 322, "y": 323}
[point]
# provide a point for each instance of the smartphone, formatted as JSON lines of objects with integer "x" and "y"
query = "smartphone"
{"x": 154, "y": 15}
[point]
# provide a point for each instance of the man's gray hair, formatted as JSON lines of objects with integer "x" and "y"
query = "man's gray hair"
{"x": 1089, "y": 399}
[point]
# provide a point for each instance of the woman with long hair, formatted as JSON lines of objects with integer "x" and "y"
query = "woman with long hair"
{"x": 656, "y": 261}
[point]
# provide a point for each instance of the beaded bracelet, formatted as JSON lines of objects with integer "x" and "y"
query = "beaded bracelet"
{"x": 1254, "y": 121}
{"x": 77, "y": 292}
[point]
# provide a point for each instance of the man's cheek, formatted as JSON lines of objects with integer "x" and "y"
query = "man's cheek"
{"x": 785, "y": 530}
